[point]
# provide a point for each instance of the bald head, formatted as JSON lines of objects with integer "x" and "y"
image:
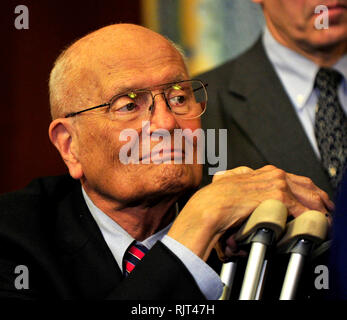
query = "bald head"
{"x": 82, "y": 72}
{"x": 109, "y": 62}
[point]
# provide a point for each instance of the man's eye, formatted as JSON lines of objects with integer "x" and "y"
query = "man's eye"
{"x": 178, "y": 100}
{"x": 128, "y": 108}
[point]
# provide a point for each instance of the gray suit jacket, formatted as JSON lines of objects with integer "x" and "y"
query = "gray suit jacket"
{"x": 246, "y": 97}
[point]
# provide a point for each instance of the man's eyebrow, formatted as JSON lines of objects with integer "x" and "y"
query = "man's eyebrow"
{"x": 119, "y": 91}
{"x": 125, "y": 89}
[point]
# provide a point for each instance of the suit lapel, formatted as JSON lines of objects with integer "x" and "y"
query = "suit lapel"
{"x": 268, "y": 117}
{"x": 85, "y": 256}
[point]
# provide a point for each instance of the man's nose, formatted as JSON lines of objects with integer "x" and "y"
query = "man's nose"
{"x": 162, "y": 117}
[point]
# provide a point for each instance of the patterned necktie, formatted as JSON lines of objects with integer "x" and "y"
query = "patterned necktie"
{"x": 331, "y": 125}
{"x": 133, "y": 255}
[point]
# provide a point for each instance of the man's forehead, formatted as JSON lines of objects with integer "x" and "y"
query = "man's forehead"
{"x": 123, "y": 40}
{"x": 135, "y": 58}
{"x": 141, "y": 73}
{"x": 127, "y": 84}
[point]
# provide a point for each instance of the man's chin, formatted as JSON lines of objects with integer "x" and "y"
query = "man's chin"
{"x": 173, "y": 178}
{"x": 165, "y": 181}
{"x": 153, "y": 197}
{"x": 330, "y": 39}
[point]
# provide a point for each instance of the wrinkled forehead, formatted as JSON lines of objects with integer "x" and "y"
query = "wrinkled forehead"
{"x": 142, "y": 73}
{"x": 134, "y": 59}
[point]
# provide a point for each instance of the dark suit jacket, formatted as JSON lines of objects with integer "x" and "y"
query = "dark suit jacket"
{"x": 246, "y": 97}
{"x": 48, "y": 228}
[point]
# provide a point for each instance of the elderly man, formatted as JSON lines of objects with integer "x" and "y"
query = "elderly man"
{"x": 285, "y": 99}
{"x": 72, "y": 235}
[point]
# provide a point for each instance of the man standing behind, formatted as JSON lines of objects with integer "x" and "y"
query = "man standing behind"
{"x": 285, "y": 99}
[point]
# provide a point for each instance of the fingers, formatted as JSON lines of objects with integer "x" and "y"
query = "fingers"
{"x": 308, "y": 184}
{"x": 312, "y": 196}
{"x": 273, "y": 184}
{"x": 227, "y": 248}
{"x": 280, "y": 191}
{"x": 238, "y": 192}
{"x": 309, "y": 198}
{"x": 298, "y": 193}
{"x": 248, "y": 188}
{"x": 232, "y": 249}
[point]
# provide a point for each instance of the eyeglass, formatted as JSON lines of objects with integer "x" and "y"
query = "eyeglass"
{"x": 186, "y": 99}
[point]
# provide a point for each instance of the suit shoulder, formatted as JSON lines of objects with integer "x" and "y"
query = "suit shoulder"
{"x": 218, "y": 73}
{"x": 222, "y": 72}
{"x": 40, "y": 187}
{"x": 30, "y": 202}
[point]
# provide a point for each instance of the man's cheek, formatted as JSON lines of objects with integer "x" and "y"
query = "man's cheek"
{"x": 128, "y": 151}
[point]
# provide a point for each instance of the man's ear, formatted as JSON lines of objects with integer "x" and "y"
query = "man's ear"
{"x": 258, "y": 1}
{"x": 60, "y": 134}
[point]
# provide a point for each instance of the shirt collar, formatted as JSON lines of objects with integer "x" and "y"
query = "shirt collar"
{"x": 112, "y": 232}
{"x": 341, "y": 66}
{"x": 296, "y": 72}
{"x": 117, "y": 239}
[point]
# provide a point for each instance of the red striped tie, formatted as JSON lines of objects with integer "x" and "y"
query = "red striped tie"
{"x": 134, "y": 255}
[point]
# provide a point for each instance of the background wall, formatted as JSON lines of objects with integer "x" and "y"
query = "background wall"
{"x": 210, "y": 31}
{"x": 26, "y": 59}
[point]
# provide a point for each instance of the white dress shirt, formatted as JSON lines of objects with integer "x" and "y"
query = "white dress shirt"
{"x": 297, "y": 74}
{"x": 118, "y": 240}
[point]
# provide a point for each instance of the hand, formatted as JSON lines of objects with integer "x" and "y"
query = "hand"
{"x": 310, "y": 195}
{"x": 303, "y": 190}
{"x": 233, "y": 196}
{"x": 298, "y": 193}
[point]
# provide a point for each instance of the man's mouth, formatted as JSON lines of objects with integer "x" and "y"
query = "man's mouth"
{"x": 335, "y": 10}
{"x": 166, "y": 155}
{"x": 337, "y": 6}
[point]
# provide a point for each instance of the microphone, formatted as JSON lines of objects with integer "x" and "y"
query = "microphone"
{"x": 263, "y": 227}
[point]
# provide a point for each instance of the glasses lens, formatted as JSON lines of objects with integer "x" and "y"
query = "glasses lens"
{"x": 130, "y": 106}
{"x": 187, "y": 99}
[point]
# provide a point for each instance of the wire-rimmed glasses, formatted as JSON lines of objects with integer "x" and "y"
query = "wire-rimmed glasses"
{"x": 186, "y": 99}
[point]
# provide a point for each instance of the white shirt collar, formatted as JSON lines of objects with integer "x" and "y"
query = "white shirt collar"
{"x": 296, "y": 72}
{"x": 341, "y": 66}
{"x": 117, "y": 239}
